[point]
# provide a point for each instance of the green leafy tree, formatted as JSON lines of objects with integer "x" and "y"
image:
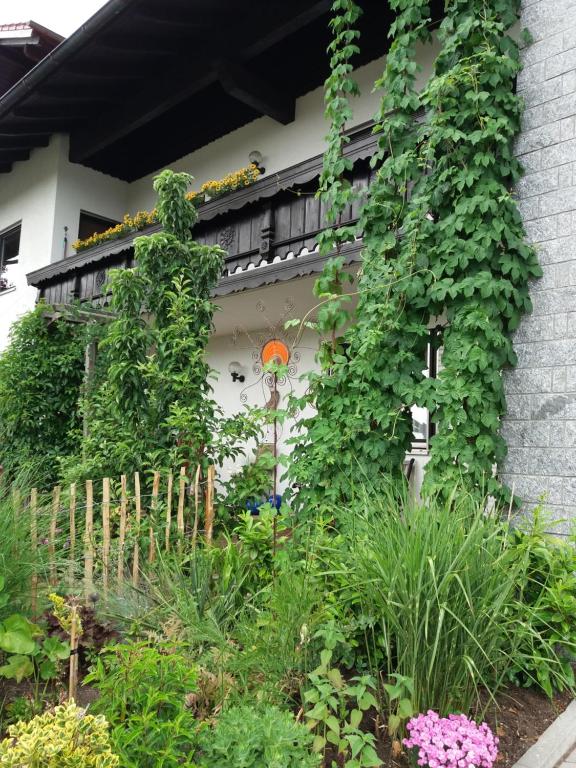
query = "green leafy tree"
{"x": 154, "y": 406}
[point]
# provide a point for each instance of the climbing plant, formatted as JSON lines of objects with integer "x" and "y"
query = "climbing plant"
{"x": 154, "y": 406}
{"x": 362, "y": 428}
{"x": 442, "y": 237}
{"x": 479, "y": 263}
{"x": 40, "y": 376}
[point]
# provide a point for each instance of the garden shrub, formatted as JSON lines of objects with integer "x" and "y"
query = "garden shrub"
{"x": 547, "y": 605}
{"x": 65, "y": 737}
{"x": 249, "y": 737}
{"x": 15, "y": 572}
{"x": 143, "y": 691}
{"x": 41, "y": 373}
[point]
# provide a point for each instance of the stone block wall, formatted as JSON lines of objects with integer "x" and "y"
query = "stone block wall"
{"x": 540, "y": 427}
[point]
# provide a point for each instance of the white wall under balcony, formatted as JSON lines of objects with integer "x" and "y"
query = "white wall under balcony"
{"x": 246, "y": 321}
{"x": 28, "y": 196}
{"x": 45, "y": 194}
{"x": 83, "y": 189}
{"x": 281, "y": 145}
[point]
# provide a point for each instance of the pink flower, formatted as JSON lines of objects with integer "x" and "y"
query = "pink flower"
{"x": 451, "y": 742}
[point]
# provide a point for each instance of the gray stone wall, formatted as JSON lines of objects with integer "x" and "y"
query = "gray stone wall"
{"x": 541, "y": 393}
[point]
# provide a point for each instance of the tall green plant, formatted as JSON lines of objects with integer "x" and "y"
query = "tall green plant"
{"x": 478, "y": 265}
{"x": 142, "y": 695}
{"x": 366, "y": 384}
{"x": 155, "y": 406}
{"x": 442, "y": 236}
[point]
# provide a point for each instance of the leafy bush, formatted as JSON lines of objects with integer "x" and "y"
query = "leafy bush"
{"x": 245, "y": 737}
{"x": 441, "y": 580}
{"x": 64, "y": 738}
{"x": 256, "y": 540}
{"x": 196, "y": 598}
{"x": 40, "y": 376}
{"x": 275, "y": 631}
{"x": 547, "y": 604}
{"x": 143, "y": 693}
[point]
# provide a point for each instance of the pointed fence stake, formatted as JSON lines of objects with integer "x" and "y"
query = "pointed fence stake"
{"x": 152, "y": 518}
{"x": 105, "y": 532}
{"x": 196, "y": 505}
{"x": 136, "y": 555}
{"x": 89, "y": 541}
{"x": 181, "y": 502}
{"x": 209, "y": 513}
{"x": 52, "y": 535}
{"x": 72, "y": 548}
{"x": 169, "y": 510}
{"x": 122, "y": 529}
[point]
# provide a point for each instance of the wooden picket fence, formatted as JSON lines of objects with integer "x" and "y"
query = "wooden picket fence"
{"x": 101, "y": 532}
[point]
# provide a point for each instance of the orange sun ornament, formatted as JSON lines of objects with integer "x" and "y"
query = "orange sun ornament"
{"x": 275, "y": 351}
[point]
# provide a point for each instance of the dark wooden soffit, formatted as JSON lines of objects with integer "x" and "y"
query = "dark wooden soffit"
{"x": 145, "y": 82}
{"x": 362, "y": 145}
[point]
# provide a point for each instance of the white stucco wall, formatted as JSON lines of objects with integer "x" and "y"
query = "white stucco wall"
{"x": 83, "y": 189}
{"x": 222, "y": 351}
{"x": 47, "y": 193}
{"x": 28, "y": 195}
{"x": 243, "y": 324}
{"x": 281, "y": 145}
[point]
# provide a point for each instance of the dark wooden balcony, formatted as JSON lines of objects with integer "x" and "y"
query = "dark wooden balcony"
{"x": 269, "y": 231}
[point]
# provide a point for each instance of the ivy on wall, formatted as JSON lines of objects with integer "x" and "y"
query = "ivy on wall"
{"x": 442, "y": 235}
{"x": 474, "y": 248}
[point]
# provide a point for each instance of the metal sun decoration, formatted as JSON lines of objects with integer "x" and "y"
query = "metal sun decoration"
{"x": 273, "y": 343}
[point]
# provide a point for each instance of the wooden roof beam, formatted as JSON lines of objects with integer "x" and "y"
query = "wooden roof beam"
{"x": 24, "y": 141}
{"x": 255, "y": 92}
{"x": 12, "y": 155}
{"x": 40, "y": 126}
{"x": 175, "y": 84}
{"x": 78, "y": 110}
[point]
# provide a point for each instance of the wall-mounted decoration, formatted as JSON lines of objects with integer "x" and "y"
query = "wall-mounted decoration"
{"x": 100, "y": 278}
{"x": 226, "y": 238}
{"x": 273, "y": 344}
{"x": 275, "y": 351}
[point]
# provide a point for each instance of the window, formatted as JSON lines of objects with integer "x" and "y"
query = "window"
{"x": 424, "y": 428}
{"x": 91, "y": 224}
{"x": 9, "y": 251}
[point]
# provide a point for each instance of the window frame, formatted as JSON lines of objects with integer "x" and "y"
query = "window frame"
{"x": 6, "y": 286}
{"x": 433, "y": 355}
